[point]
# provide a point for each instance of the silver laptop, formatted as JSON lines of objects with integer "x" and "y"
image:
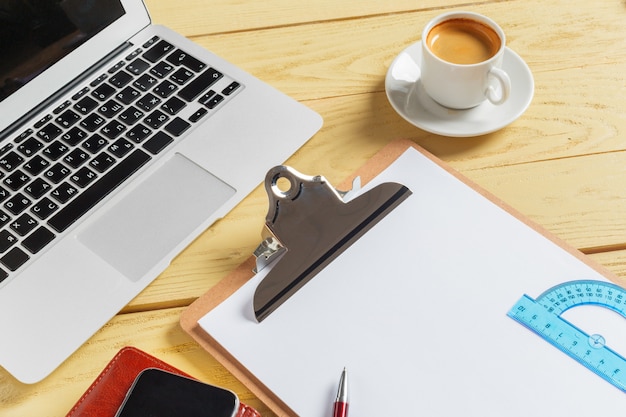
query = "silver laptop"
{"x": 120, "y": 142}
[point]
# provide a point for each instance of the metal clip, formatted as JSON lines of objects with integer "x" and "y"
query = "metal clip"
{"x": 309, "y": 224}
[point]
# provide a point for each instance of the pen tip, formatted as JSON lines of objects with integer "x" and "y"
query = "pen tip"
{"x": 342, "y": 392}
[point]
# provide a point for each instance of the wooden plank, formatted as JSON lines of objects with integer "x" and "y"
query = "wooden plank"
{"x": 157, "y": 333}
{"x": 579, "y": 199}
{"x": 198, "y": 17}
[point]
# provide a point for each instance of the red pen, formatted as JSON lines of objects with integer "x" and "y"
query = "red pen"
{"x": 341, "y": 402}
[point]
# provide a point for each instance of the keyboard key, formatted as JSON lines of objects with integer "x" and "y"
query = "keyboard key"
{"x": 76, "y": 158}
{"x": 85, "y": 105}
{"x": 4, "y": 218}
{"x": 49, "y": 132}
{"x": 55, "y": 150}
{"x": 103, "y": 92}
{"x": 157, "y": 143}
{"x": 57, "y": 173}
{"x": 20, "y": 137}
{"x": 206, "y": 97}
{"x": 173, "y": 105}
{"x": 44, "y": 208}
{"x": 38, "y": 240}
{"x": 116, "y": 67}
{"x": 10, "y": 161}
{"x": 231, "y": 88}
{"x": 145, "y": 82}
{"x": 23, "y": 224}
{"x": 177, "y": 126}
{"x": 156, "y": 119}
{"x": 181, "y": 76}
{"x": 29, "y": 147}
{"x": 200, "y": 84}
{"x": 151, "y": 42}
{"x": 83, "y": 177}
{"x": 93, "y": 122}
{"x": 120, "y": 147}
{"x": 37, "y": 188}
{"x": 131, "y": 115}
{"x": 62, "y": 106}
{"x": 113, "y": 129}
{"x": 133, "y": 54}
{"x": 14, "y": 259}
{"x": 181, "y": 58}
{"x": 162, "y": 69}
{"x": 120, "y": 79}
{"x": 80, "y": 94}
{"x": 159, "y": 50}
{"x": 138, "y": 66}
{"x": 214, "y": 101}
{"x": 198, "y": 115}
{"x": 100, "y": 189}
{"x": 148, "y": 102}
{"x": 43, "y": 121}
{"x": 36, "y": 165}
{"x": 3, "y": 275}
{"x": 6, "y": 240}
{"x": 98, "y": 80}
{"x": 64, "y": 192}
{"x": 67, "y": 119}
{"x": 138, "y": 133}
{"x": 165, "y": 89}
{"x": 17, "y": 203}
{"x": 4, "y": 194}
{"x": 95, "y": 143}
{"x": 110, "y": 108}
{"x": 128, "y": 95}
{"x": 102, "y": 162}
{"x": 74, "y": 136}
{"x": 16, "y": 180}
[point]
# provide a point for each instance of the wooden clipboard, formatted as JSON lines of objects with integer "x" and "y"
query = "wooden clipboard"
{"x": 238, "y": 277}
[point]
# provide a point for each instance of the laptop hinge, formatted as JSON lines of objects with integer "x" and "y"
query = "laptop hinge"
{"x": 14, "y": 127}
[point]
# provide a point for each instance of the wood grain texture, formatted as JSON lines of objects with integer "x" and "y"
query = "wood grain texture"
{"x": 563, "y": 163}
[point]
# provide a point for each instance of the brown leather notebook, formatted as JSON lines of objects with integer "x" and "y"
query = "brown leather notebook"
{"x": 107, "y": 392}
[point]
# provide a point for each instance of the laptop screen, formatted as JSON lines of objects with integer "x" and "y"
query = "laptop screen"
{"x": 35, "y": 34}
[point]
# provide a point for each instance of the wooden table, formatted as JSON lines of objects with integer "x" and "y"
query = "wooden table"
{"x": 563, "y": 163}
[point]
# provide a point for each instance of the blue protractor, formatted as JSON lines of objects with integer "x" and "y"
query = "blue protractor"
{"x": 543, "y": 316}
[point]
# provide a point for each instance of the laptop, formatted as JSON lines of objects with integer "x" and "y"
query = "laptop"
{"x": 120, "y": 142}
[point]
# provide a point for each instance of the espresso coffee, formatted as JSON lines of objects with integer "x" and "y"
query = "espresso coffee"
{"x": 463, "y": 41}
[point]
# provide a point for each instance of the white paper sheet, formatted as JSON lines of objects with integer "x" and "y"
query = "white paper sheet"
{"x": 416, "y": 310}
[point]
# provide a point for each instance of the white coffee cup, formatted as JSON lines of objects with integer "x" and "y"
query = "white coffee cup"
{"x": 462, "y": 56}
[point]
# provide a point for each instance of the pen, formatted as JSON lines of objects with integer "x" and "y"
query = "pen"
{"x": 341, "y": 402}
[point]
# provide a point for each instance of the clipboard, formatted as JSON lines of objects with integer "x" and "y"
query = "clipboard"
{"x": 227, "y": 286}
{"x": 381, "y": 161}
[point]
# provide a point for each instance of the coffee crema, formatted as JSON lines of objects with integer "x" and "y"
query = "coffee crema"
{"x": 463, "y": 41}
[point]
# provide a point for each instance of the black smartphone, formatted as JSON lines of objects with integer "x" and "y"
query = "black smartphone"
{"x": 158, "y": 393}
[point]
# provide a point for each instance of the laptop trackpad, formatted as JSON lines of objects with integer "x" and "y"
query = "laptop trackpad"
{"x": 136, "y": 233}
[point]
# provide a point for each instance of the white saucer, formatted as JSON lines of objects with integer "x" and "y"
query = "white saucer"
{"x": 408, "y": 98}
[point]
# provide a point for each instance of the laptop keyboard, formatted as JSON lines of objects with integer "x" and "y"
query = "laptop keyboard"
{"x": 61, "y": 167}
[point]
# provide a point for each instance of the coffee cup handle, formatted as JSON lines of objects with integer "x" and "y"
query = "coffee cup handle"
{"x": 505, "y": 87}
